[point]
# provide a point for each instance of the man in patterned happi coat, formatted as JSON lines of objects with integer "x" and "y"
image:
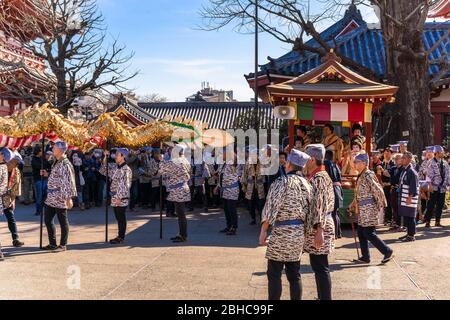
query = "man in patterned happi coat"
{"x": 229, "y": 177}
{"x": 14, "y": 191}
{"x": 121, "y": 180}
{"x": 253, "y": 185}
{"x": 368, "y": 203}
{"x": 320, "y": 233}
{"x": 438, "y": 173}
{"x": 177, "y": 171}
{"x": 61, "y": 189}
{"x": 200, "y": 172}
{"x": 5, "y": 156}
{"x": 288, "y": 203}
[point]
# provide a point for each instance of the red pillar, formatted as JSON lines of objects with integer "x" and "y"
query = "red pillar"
{"x": 368, "y": 126}
{"x": 438, "y": 121}
{"x": 291, "y": 134}
{"x": 12, "y": 103}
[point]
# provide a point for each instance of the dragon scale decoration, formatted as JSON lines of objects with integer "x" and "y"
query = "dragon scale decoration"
{"x": 44, "y": 118}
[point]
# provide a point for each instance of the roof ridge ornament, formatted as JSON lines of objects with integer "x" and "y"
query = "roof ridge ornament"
{"x": 331, "y": 56}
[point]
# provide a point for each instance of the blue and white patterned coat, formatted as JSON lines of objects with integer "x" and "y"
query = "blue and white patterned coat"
{"x": 438, "y": 183}
{"x": 121, "y": 178}
{"x": 61, "y": 184}
{"x": 409, "y": 186}
{"x": 177, "y": 173}
{"x": 229, "y": 181}
{"x": 3, "y": 184}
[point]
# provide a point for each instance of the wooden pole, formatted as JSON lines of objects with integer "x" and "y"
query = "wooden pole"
{"x": 161, "y": 202}
{"x": 107, "y": 194}
{"x": 291, "y": 134}
{"x": 42, "y": 192}
{"x": 368, "y": 126}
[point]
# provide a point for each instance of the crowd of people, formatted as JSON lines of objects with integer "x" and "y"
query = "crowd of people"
{"x": 298, "y": 205}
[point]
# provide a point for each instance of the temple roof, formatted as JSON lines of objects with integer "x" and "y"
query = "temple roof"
{"x": 362, "y": 44}
{"x": 331, "y": 80}
{"x": 218, "y": 115}
{"x": 441, "y": 9}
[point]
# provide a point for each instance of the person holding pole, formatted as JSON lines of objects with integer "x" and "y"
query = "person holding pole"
{"x": 61, "y": 190}
{"x": 177, "y": 171}
{"x": 13, "y": 192}
{"x": 320, "y": 233}
{"x": 368, "y": 203}
{"x": 121, "y": 178}
{"x": 5, "y": 156}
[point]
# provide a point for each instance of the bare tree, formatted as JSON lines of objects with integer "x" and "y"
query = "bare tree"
{"x": 152, "y": 98}
{"x": 70, "y": 36}
{"x": 402, "y": 23}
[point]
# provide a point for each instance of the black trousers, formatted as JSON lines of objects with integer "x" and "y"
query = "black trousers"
{"x": 230, "y": 208}
{"x": 155, "y": 197}
{"x": 388, "y": 209}
{"x": 198, "y": 193}
{"x": 337, "y": 223}
{"x": 182, "y": 221}
{"x": 437, "y": 202}
{"x": 321, "y": 268}
{"x": 366, "y": 234}
{"x": 12, "y": 225}
{"x": 211, "y": 198}
{"x": 256, "y": 204}
{"x": 145, "y": 193}
{"x": 274, "y": 271}
{"x": 49, "y": 217}
{"x": 120, "y": 213}
{"x": 410, "y": 224}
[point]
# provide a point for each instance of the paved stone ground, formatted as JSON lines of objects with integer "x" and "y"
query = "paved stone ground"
{"x": 209, "y": 266}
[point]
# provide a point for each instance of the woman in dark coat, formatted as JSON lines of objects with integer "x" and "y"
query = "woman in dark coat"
{"x": 335, "y": 174}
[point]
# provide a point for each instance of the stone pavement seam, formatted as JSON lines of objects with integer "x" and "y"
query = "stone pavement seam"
{"x": 134, "y": 274}
{"x": 412, "y": 280}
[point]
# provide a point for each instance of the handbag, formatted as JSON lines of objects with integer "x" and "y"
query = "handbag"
{"x": 82, "y": 182}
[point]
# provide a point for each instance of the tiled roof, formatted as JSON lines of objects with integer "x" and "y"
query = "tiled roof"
{"x": 219, "y": 115}
{"x": 363, "y": 45}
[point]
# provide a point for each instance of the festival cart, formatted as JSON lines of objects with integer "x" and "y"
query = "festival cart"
{"x": 331, "y": 93}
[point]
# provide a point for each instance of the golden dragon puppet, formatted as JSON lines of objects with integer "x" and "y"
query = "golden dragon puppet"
{"x": 44, "y": 118}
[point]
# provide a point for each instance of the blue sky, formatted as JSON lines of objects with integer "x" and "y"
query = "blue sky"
{"x": 174, "y": 58}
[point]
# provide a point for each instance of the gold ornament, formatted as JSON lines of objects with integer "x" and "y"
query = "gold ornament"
{"x": 44, "y": 119}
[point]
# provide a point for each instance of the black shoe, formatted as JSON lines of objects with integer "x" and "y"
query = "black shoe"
{"x": 231, "y": 232}
{"x": 116, "y": 241}
{"x": 179, "y": 239}
{"x": 427, "y": 225}
{"x": 362, "y": 260}
{"x": 403, "y": 238}
{"x": 206, "y": 209}
{"x": 17, "y": 243}
{"x": 408, "y": 239}
{"x": 174, "y": 238}
{"x": 438, "y": 224}
{"x": 190, "y": 209}
{"x": 388, "y": 257}
{"x": 50, "y": 248}
{"x": 225, "y": 230}
{"x": 253, "y": 223}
